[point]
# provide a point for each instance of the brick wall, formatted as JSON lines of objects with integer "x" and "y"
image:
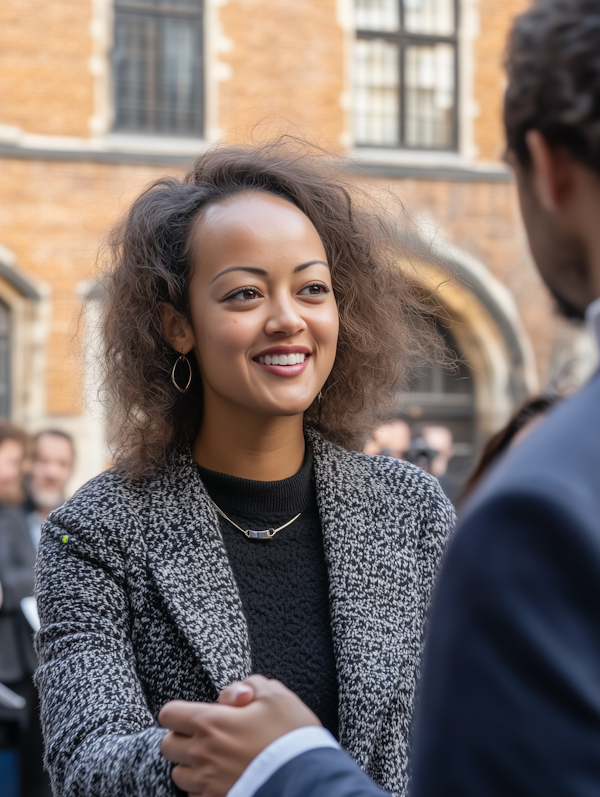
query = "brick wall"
{"x": 53, "y": 216}
{"x": 287, "y": 66}
{"x": 45, "y": 81}
{"x": 495, "y": 20}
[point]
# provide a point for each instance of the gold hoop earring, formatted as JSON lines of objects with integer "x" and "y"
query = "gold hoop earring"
{"x": 182, "y": 359}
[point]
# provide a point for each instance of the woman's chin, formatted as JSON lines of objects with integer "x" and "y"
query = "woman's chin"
{"x": 287, "y": 407}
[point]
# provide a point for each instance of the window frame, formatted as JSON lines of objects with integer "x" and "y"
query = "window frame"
{"x": 195, "y": 16}
{"x": 404, "y": 39}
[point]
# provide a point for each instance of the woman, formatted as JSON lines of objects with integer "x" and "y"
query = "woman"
{"x": 256, "y": 324}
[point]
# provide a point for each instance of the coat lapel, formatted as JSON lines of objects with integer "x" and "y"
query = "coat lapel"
{"x": 368, "y": 580}
{"x": 189, "y": 563}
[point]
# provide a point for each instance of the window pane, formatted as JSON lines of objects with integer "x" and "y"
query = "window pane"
{"x": 430, "y": 96}
{"x": 429, "y": 16}
{"x": 134, "y": 60}
{"x": 376, "y": 82}
{"x": 376, "y": 14}
{"x": 179, "y": 104}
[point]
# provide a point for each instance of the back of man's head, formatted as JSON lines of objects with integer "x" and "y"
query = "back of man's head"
{"x": 553, "y": 65}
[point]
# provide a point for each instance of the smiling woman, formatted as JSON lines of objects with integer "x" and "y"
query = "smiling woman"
{"x": 257, "y": 326}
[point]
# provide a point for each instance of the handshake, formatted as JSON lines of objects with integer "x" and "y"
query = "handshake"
{"x": 212, "y": 744}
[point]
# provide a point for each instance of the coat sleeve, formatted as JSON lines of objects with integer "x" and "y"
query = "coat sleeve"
{"x": 509, "y": 700}
{"x": 101, "y": 739}
{"x": 435, "y": 519}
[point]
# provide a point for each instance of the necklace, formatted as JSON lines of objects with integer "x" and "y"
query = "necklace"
{"x": 252, "y": 534}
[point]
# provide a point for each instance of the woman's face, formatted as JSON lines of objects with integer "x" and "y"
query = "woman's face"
{"x": 264, "y": 321}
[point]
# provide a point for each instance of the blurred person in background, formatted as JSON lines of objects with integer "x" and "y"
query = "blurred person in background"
{"x": 13, "y": 443}
{"x": 431, "y": 449}
{"x": 392, "y": 439}
{"x": 52, "y": 461}
{"x": 17, "y": 656}
{"x": 527, "y": 418}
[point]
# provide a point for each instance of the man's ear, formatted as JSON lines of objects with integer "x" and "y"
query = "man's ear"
{"x": 553, "y": 172}
{"x": 176, "y": 328}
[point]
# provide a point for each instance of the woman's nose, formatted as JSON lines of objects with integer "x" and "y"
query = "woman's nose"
{"x": 284, "y": 319}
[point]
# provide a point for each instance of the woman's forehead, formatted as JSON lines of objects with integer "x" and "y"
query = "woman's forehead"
{"x": 256, "y": 223}
{"x": 250, "y": 209}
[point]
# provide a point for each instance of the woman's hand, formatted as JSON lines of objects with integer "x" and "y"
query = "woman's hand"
{"x": 212, "y": 744}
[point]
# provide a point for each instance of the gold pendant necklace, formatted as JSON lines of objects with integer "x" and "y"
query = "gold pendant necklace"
{"x": 252, "y": 534}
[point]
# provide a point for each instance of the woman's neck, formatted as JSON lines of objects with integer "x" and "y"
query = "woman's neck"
{"x": 239, "y": 442}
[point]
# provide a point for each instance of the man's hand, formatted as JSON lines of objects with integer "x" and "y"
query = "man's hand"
{"x": 212, "y": 744}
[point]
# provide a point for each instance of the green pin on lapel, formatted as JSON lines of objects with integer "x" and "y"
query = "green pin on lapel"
{"x": 65, "y": 538}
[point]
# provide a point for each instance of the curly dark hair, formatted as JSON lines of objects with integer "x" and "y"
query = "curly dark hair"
{"x": 553, "y": 65}
{"x": 385, "y": 317}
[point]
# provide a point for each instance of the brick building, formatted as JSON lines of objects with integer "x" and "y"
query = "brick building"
{"x": 98, "y": 97}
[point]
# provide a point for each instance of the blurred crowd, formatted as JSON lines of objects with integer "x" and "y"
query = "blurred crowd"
{"x": 431, "y": 446}
{"x": 34, "y": 473}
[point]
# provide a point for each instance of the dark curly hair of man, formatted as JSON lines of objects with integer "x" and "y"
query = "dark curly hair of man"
{"x": 553, "y": 65}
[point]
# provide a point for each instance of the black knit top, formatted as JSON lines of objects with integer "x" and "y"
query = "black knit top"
{"x": 282, "y": 582}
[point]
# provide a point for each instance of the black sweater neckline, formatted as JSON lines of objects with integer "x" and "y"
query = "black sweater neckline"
{"x": 284, "y": 497}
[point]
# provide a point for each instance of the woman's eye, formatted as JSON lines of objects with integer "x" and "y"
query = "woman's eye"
{"x": 315, "y": 289}
{"x": 243, "y": 294}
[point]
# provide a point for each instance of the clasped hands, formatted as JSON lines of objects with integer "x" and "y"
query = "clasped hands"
{"x": 213, "y": 743}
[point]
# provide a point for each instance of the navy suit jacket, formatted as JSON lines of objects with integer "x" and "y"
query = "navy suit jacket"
{"x": 510, "y": 693}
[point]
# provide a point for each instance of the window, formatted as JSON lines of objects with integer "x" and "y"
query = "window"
{"x": 406, "y": 73}
{"x": 157, "y": 67}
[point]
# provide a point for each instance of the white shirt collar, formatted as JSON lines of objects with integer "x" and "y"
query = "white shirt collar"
{"x": 592, "y": 317}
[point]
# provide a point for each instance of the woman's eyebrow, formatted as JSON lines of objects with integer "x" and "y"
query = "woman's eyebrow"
{"x": 311, "y": 263}
{"x": 250, "y": 269}
{"x": 261, "y": 271}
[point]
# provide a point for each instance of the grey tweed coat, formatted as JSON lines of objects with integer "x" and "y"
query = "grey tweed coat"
{"x": 139, "y": 606}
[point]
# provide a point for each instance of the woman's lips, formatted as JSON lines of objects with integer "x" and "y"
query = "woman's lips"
{"x": 283, "y": 370}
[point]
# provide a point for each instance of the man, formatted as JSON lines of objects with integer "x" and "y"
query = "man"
{"x": 510, "y": 693}
{"x": 51, "y": 469}
{"x": 20, "y": 734}
{"x": 391, "y": 440}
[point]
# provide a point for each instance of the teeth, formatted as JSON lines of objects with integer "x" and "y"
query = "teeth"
{"x": 282, "y": 359}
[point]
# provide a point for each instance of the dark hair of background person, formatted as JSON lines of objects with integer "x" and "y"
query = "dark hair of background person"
{"x": 553, "y": 66}
{"x": 386, "y": 321}
{"x": 55, "y": 433}
{"x": 500, "y": 442}
{"x": 8, "y": 431}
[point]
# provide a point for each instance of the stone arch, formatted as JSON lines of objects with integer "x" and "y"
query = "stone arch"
{"x": 483, "y": 319}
